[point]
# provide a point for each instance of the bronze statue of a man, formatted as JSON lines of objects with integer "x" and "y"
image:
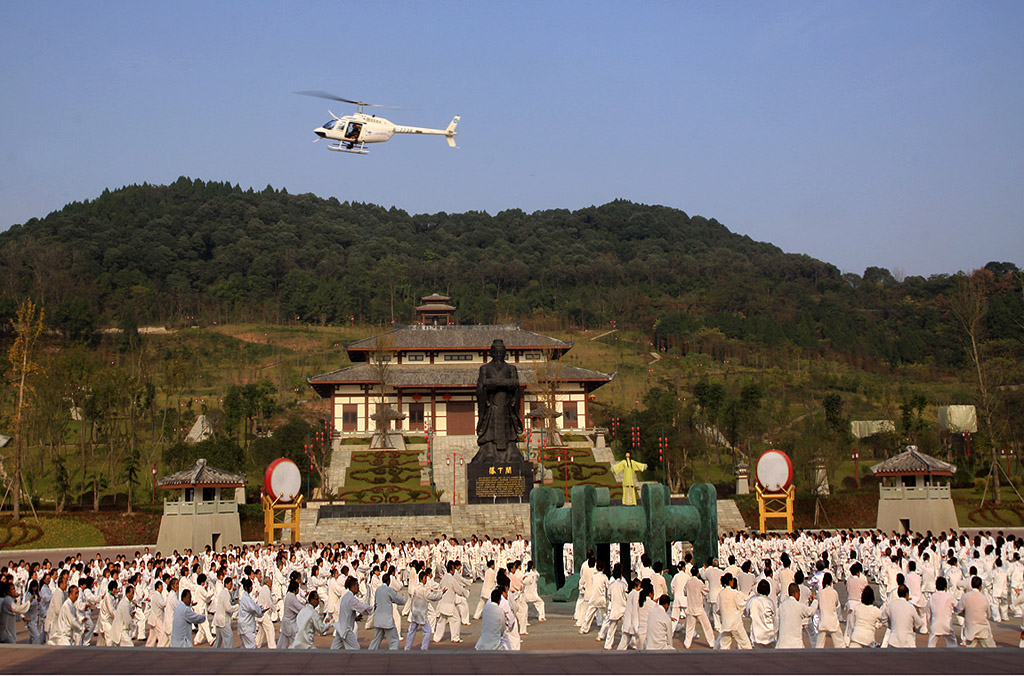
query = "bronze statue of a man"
{"x": 498, "y": 394}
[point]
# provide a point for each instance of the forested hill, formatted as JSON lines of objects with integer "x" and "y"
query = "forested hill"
{"x": 198, "y": 251}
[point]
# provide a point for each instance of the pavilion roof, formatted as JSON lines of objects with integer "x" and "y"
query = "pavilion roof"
{"x": 912, "y": 461}
{"x": 202, "y": 474}
{"x": 388, "y": 413}
{"x": 543, "y": 411}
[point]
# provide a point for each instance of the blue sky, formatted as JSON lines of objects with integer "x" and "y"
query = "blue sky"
{"x": 861, "y": 133}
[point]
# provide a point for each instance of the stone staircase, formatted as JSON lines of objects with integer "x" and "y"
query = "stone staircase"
{"x": 443, "y": 446}
{"x": 729, "y": 518}
{"x": 341, "y": 459}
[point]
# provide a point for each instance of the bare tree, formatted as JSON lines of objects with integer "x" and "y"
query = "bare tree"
{"x": 548, "y": 371}
{"x": 178, "y": 377}
{"x": 50, "y": 418}
{"x": 969, "y": 304}
{"x": 380, "y": 365}
{"x": 28, "y": 326}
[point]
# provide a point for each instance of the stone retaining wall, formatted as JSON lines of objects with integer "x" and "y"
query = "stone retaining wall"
{"x": 464, "y": 521}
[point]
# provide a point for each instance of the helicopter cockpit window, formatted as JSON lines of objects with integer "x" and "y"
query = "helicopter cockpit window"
{"x": 330, "y": 125}
{"x": 353, "y": 130}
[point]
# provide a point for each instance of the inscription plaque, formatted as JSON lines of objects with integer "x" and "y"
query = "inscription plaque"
{"x": 499, "y": 482}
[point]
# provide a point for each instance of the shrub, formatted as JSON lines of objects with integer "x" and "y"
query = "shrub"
{"x": 962, "y": 477}
{"x": 725, "y": 491}
{"x": 748, "y": 501}
{"x": 253, "y": 512}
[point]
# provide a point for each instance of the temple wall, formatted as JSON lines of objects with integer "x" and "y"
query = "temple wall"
{"x": 353, "y": 396}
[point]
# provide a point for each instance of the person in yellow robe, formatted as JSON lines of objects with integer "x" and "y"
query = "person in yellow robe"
{"x": 628, "y": 468}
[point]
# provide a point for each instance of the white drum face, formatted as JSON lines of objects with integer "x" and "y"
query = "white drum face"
{"x": 285, "y": 480}
{"x": 774, "y": 471}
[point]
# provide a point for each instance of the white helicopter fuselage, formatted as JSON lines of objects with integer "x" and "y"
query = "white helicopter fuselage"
{"x": 352, "y": 132}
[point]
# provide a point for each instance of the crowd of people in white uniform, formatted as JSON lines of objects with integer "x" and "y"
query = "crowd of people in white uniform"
{"x": 278, "y": 596}
{"x": 847, "y": 589}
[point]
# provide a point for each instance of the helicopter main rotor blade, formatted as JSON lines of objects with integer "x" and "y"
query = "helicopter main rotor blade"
{"x": 331, "y": 97}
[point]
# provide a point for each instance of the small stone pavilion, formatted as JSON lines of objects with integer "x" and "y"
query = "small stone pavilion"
{"x": 914, "y": 493}
{"x": 203, "y": 511}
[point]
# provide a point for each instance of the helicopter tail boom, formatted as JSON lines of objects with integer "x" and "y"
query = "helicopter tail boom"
{"x": 449, "y": 132}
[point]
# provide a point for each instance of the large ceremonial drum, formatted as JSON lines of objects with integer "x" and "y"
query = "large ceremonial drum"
{"x": 282, "y": 480}
{"x": 774, "y": 471}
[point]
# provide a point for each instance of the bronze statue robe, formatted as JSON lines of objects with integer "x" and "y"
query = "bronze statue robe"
{"x": 498, "y": 395}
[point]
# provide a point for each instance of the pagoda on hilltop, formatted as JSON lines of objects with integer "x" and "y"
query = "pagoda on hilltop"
{"x": 431, "y": 372}
{"x": 435, "y": 310}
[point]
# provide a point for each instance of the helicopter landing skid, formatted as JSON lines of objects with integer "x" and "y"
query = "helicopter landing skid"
{"x": 354, "y": 148}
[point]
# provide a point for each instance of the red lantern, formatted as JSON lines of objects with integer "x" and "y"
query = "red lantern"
{"x": 417, "y": 397}
{"x": 446, "y": 397}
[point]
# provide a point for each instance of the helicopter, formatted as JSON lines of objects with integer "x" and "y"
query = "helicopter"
{"x": 354, "y": 132}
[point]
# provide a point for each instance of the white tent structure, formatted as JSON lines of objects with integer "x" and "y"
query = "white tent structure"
{"x": 867, "y": 428}
{"x": 958, "y": 419}
{"x": 201, "y": 430}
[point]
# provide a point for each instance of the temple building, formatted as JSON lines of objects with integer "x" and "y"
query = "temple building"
{"x": 430, "y": 370}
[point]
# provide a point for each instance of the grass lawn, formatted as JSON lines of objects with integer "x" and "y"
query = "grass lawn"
{"x": 64, "y": 531}
{"x": 582, "y": 470}
{"x": 969, "y": 513}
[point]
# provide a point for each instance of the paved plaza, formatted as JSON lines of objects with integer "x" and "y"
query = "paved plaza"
{"x": 42, "y": 659}
{"x": 552, "y": 647}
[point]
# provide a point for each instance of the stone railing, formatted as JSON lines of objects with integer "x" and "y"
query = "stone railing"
{"x": 913, "y": 492}
{"x": 193, "y": 508}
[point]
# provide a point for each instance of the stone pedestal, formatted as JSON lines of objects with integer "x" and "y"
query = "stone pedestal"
{"x": 742, "y": 479}
{"x": 499, "y": 482}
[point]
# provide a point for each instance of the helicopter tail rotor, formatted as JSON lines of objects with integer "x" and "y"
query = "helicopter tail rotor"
{"x": 450, "y": 132}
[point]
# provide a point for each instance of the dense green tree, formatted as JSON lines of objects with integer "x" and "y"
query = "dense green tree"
{"x": 197, "y": 251}
{"x": 219, "y": 452}
{"x": 287, "y": 441}
{"x": 833, "y": 406}
{"x": 249, "y": 406}
{"x": 76, "y": 319}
